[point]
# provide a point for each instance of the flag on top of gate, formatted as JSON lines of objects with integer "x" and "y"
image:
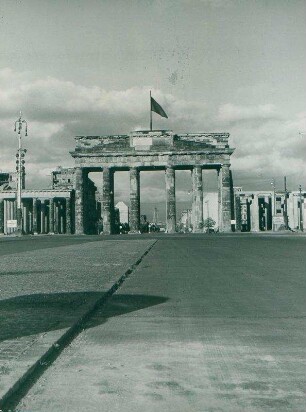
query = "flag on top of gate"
{"x": 155, "y": 107}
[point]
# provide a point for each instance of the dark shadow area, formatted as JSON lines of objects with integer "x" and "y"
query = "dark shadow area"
{"x": 39, "y": 313}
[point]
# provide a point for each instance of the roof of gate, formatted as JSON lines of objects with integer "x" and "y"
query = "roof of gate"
{"x": 151, "y": 141}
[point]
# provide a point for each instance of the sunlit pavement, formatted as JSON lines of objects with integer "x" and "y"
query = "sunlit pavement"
{"x": 46, "y": 285}
{"x": 205, "y": 323}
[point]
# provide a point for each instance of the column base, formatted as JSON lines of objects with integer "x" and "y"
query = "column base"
{"x": 134, "y": 232}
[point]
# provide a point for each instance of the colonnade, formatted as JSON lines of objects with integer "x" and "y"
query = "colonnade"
{"x": 254, "y": 211}
{"x": 39, "y": 216}
{"x": 224, "y": 198}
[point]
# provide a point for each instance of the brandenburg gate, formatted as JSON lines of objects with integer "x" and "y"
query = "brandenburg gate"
{"x": 153, "y": 150}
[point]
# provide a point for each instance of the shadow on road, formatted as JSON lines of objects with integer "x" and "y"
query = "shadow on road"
{"x": 33, "y": 314}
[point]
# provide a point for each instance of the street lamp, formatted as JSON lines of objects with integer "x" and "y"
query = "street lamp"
{"x": 20, "y": 168}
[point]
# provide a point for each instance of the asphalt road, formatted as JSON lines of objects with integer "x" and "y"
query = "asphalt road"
{"x": 205, "y": 323}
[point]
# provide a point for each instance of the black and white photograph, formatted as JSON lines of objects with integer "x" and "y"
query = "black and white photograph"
{"x": 152, "y": 205}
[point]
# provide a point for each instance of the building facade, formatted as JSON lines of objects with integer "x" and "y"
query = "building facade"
{"x": 73, "y": 205}
{"x": 47, "y": 211}
{"x": 123, "y": 212}
{"x": 269, "y": 210}
{"x": 153, "y": 150}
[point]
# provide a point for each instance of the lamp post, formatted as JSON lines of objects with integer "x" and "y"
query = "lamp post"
{"x": 274, "y": 206}
{"x": 301, "y": 210}
{"x": 20, "y": 169}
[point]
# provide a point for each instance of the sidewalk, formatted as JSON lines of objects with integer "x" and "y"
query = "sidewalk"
{"x": 45, "y": 292}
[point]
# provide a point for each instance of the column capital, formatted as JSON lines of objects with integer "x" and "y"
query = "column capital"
{"x": 225, "y": 166}
{"x": 134, "y": 169}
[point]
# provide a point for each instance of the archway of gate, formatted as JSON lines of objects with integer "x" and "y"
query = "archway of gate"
{"x": 153, "y": 206}
{"x": 184, "y": 198}
{"x": 210, "y": 200}
{"x": 152, "y": 201}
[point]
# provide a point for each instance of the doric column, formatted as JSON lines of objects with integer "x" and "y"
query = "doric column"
{"x": 79, "y": 201}
{"x": 197, "y": 199}
{"x": 42, "y": 217}
{"x": 107, "y": 201}
{"x": 13, "y": 212}
{"x": 24, "y": 217}
{"x": 35, "y": 203}
{"x": 224, "y": 197}
{"x": 5, "y": 216}
{"x": 254, "y": 214}
{"x": 68, "y": 216}
{"x": 11, "y": 215}
{"x": 266, "y": 211}
{"x": 14, "y": 205}
{"x": 134, "y": 200}
{"x": 170, "y": 200}
{"x": 61, "y": 217}
{"x": 30, "y": 214}
{"x": 1, "y": 216}
{"x": 238, "y": 212}
{"x": 56, "y": 217}
{"x": 51, "y": 216}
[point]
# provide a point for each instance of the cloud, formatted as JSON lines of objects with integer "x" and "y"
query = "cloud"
{"x": 267, "y": 149}
{"x": 57, "y": 110}
{"x": 50, "y": 99}
{"x": 232, "y": 113}
{"x": 267, "y": 142}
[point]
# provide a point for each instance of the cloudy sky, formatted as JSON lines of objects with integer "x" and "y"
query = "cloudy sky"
{"x": 86, "y": 67}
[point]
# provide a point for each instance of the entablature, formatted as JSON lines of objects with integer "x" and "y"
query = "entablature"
{"x": 39, "y": 194}
{"x": 161, "y": 141}
{"x": 154, "y": 161}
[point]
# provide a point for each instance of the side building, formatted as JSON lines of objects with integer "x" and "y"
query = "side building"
{"x": 47, "y": 211}
{"x": 255, "y": 211}
{"x": 268, "y": 210}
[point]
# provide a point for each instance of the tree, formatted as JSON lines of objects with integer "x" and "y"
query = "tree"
{"x": 209, "y": 223}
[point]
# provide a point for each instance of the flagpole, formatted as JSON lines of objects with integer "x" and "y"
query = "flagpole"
{"x": 150, "y": 112}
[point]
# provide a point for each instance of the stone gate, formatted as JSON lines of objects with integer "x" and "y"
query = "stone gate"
{"x": 153, "y": 150}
